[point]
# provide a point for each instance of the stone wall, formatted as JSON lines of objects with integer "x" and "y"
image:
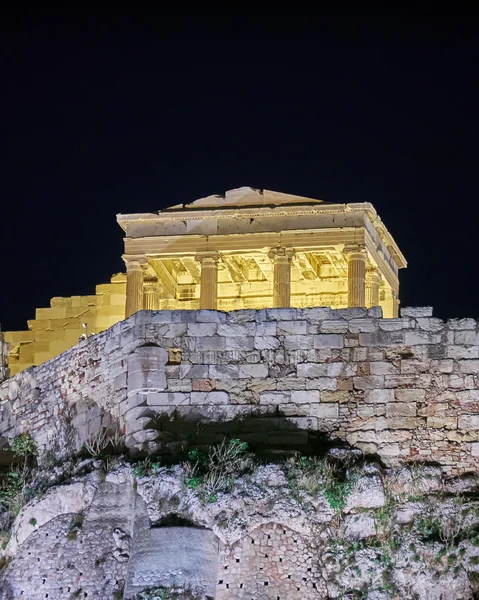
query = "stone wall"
{"x": 405, "y": 388}
{"x": 4, "y": 354}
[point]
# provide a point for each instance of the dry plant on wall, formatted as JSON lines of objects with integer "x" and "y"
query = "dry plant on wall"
{"x": 99, "y": 443}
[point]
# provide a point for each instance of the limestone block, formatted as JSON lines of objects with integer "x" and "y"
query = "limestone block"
{"x": 209, "y": 316}
{"x": 376, "y": 312}
{"x": 254, "y": 370}
{"x": 330, "y": 340}
{"x": 317, "y": 313}
{"x": 442, "y": 422}
{"x": 383, "y": 368}
{"x": 281, "y": 314}
{"x": 266, "y": 328}
{"x": 241, "y": 316}
{"x": 410, "y": 395}
{"x": 237, "y": 330}
{"x": 349, "y": 313}
{"x": 370, "y": 410}
{"x": 462, "y": 324}
{"x": 324, "y": 411}
{"x": 239, "y": 343}
{"x": 468, "y": 366}
{"x": 292, "y": 327}
{"x": 223, "y": 371}
{"x": 333, "y": 326}
{"x": 401, "y": 409}
{"x": 475, "y": 448}
{"x": 468, "y": 422}
{"x": 167, "y": 398}
{"x": 339, "y": 396}
{"x": 312, "y": 370}
{"x": 378, "y": 396}
{"x": 430, "y": 324}
{"x": 363, "y": 325}
{"x": 390, "y": 450}
{"x": 211, "y": 343}
{"x": 298, "y": 342}
{"x": 201, "y": 329}
{"x": 209, "y": 398}
{"x": 302, "y": 396}
{"x": 413, "y": 338}
{"x": 146, "y": 368}
{"x": 180, "y": 385}
{"x": 462, "y": 352}
{"x": 193, "y": 371}
{"x": 368, "y": 382}
{"x": 466, "y": 336}
{"x": 361, "y": 355}
{"x": 467, "y": 396}
{"x": 404, "y": 422}
{"x": 322, "y": 383}
{"x": 382, "y": 338}
{"x": 266, "y": 343}
{"x": 421, "y": 311}
{"x": 274, "y": 398}
{"x": 445, "y": 366}
{"x": 433, "y": 409}
{"x": 396, "y": 324}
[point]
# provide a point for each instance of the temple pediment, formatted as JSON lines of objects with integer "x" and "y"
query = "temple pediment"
{"x": 246, "y": 196}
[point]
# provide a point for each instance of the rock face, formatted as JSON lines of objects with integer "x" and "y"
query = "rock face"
{"x": 405, "y": 388}
{"x": 290, "y": 531}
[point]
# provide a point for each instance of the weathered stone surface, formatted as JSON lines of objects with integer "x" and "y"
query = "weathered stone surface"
{"x": 420, "y": 396}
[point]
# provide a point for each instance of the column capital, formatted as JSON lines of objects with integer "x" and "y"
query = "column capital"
{"x": 210, "y": 256}
{"x": 150, "y": 282}
{"x": 279, "y": 251}
{"x": 372, "y": 273}
{"x": 355, "y": 251}
{"x": 134, "y": 263}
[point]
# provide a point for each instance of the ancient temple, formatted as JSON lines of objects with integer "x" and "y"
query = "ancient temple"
{"x": 247, "y": 248}
{"x": 255, "y": 249}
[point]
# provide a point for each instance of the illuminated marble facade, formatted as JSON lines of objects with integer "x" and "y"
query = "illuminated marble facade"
{"x": 247, "y": 249}
{"x": 256, "y": 249}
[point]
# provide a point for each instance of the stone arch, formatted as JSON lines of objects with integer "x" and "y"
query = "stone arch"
{"x": 272, "y": 562}
{"x": 171, "y": 554}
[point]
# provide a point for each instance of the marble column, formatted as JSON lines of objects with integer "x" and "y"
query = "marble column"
{"x": 151, "y": 293}
{"x": 373, "y": 281}
{"x": 134, "y": 287}
{"x": 209, "y": 279}
{"x": 281, "y": 258}
{"x": 356, "y": 257}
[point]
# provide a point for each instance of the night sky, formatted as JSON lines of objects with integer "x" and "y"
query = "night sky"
{"x": 103, "y": 112}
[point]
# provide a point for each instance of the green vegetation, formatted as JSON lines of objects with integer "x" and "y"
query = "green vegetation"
{"x": 75, "y": 526}
{"x": 215, "y": 471}
{"x": 316, "y": 475}
{"x": 33, "y": 522}
{"x": 15, "y": 489}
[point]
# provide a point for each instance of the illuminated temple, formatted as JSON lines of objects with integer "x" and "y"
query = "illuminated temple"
{"x": 247, "y": 249}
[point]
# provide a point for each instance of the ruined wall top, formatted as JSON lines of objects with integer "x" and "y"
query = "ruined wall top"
{"x": 405, "y": 388}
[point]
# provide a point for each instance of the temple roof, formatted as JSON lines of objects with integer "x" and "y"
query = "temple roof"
{"x": 244, "y": 197}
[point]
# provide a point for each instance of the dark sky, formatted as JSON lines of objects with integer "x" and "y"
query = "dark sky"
{"x": 103, "y": 112}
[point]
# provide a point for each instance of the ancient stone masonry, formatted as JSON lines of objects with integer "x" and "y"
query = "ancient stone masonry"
{"x": 404, "y": 388}
{"x": 4, "y": 354}
{"x": 108, "y": 536}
